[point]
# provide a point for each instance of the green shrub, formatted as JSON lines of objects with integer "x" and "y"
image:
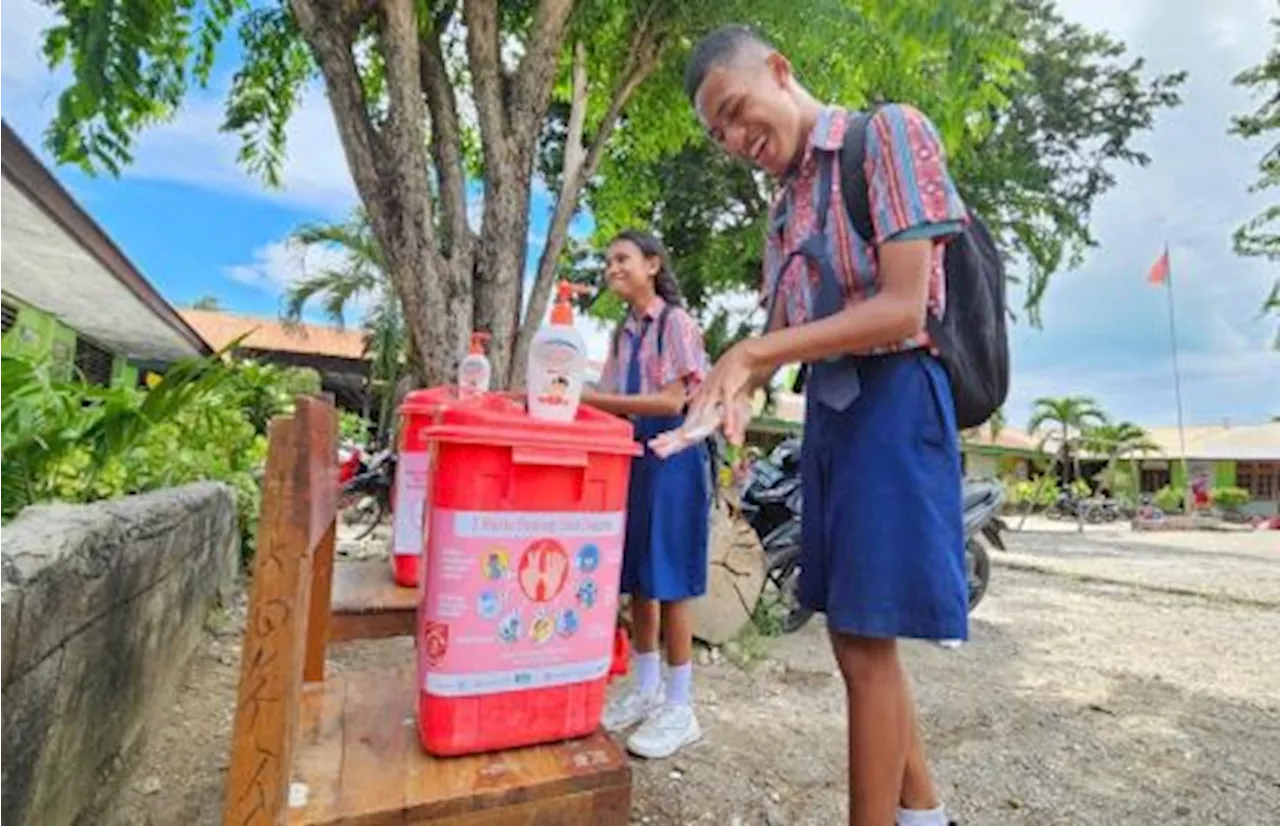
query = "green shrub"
{"x": 1080, "y": 489}
{"x": 353, "y": 427}
{"x": 1168, "y": 499}
{"x": 1039, "y": 492}
{"x": 1231, "y": 498}
{"x": 71, "y": 442}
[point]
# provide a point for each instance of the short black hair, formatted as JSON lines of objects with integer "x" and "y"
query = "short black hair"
{"x": 717, "y": 49}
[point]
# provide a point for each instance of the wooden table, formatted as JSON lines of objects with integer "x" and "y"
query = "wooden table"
{"x": 368, "y": 604}
{"x": 358, "y": 760}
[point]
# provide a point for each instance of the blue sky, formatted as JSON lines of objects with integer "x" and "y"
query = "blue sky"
{"x": 197, "y": 225}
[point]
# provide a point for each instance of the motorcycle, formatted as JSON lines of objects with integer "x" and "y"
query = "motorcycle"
{"x": 365, "y": 497}
{"x": 771, "y": 500}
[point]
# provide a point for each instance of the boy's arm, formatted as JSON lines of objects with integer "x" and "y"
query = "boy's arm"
{"x": 895, "y": 313}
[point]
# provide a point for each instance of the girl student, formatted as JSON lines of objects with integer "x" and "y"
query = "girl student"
{"x": 656, "y": 360}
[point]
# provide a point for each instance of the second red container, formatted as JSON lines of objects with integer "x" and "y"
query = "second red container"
{"x": 418, "y": 412}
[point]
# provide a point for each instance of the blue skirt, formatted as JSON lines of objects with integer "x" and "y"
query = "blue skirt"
{"x": 668, "y": 507}
{"x": 883, "y": 532}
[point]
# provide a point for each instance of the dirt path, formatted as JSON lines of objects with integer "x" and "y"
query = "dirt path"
{"x": 1077, "y": 702}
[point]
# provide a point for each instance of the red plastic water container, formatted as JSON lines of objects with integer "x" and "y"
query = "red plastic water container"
{"x": 418, "y": 412}
{"x": 519, "y": 597}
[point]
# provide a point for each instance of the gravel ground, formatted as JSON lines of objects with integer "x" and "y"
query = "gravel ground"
{"x": 1078, "y": 701}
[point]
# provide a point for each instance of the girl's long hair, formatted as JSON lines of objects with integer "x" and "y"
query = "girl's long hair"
{"x": 664, "y": 283}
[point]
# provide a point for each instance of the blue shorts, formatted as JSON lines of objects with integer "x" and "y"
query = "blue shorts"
{"x": 883, "y": 532}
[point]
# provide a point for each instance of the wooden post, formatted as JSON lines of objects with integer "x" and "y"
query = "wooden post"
{"x": 318, "y": 425}
{"x": 270, "y": 665}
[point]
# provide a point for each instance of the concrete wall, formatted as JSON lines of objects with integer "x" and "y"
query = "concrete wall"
{"x": 103, "y": 605}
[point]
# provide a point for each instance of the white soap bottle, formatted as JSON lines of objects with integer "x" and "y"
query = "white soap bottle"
{"x": 557, "y": 363}
{"x": 475, "y": 372}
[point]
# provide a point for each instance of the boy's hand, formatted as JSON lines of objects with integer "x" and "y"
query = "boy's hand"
{"x": 726, "y": 388}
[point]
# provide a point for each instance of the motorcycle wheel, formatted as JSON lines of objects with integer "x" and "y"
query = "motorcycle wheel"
{"x": 977, "y": 565}
{"x": 784, "y": 576}
{"x": 370, "y": 519}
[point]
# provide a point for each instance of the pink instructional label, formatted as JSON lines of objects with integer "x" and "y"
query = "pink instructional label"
{"x": 412, "y": 480}
{"x": 518, "y": 600}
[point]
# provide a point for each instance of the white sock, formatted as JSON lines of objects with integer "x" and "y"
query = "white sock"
{"x": 680, "y": 685}
{"x": 922, "y": 817}
{"x": 648, "y": 667}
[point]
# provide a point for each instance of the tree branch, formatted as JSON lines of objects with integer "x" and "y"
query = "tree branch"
{"x": 646, "y": 48}
{"x": 485, "y": 62}
{"x": 446, "y": 138}
{"x": 573, "y": 154}
{"x": 538, "y": 69}
{"x": 331, "y": 45}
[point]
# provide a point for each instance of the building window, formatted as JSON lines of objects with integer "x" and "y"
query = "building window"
{"x": 93, "y": 363}
{"x": 1154, "y": 479}
{"x": 1261, "y": 479}
{"x": 10, "y": 315}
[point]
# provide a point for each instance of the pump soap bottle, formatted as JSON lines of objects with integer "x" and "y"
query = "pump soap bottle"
{"x": 557, "y": 362}
{"x": 475, "y": 371}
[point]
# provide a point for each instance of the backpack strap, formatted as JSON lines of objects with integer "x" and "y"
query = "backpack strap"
{"x": 662, "y": 327}
{"x": 853, "y": 174}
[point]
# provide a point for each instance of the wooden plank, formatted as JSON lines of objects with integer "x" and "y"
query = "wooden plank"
{"x": 319, "y": 749}
{"x": 317, "y": 484}
{"x": 318, "y": 610}
{"x": 377, "y": 743}
{"x": 270, "y": 667}
{"x": 367, "y": 603}
{"x": 609, "y": 806}
{"x": 514, "y": 787}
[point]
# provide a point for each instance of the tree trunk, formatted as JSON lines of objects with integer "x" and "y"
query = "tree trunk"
{"x": 645, "y": 49}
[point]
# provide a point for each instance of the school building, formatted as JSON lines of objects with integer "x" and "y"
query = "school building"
{"x": 71, "y": 299}
{"x": 1226, "y": 455}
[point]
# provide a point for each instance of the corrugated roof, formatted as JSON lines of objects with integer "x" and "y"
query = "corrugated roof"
{"x": 220, "y": 329}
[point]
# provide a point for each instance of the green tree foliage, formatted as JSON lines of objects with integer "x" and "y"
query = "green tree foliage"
{"x": 361, "y": 276}
{"x": 207, "y": 302}
{"x": 1036, "y": 112}
{"x": 1064, "y": 419}
{"x": 1260, "y": 235}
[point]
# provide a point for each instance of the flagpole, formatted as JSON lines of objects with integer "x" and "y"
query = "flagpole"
{"x": 1177, "y": 386}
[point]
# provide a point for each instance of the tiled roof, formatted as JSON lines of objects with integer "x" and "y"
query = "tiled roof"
{"x": 220, "y": 329}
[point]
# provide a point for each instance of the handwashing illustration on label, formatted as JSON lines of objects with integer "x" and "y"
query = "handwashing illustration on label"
{"x": 517, "y": 600}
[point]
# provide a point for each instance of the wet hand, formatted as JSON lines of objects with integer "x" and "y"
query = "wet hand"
{"x": 724, "y": 392}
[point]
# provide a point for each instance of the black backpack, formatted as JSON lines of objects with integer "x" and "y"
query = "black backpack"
{"x": 971, "y": 337}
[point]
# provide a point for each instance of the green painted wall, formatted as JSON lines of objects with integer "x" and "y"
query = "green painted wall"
{"x": 42, "y": 338}
{"x": 123, "y": 374}
{"x": 30, "y": 336}
{"x": 1177, "y": 474}
{"x": 1224, "y": 474}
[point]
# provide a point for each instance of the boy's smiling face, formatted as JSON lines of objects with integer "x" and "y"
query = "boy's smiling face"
{"x": 748, "y": 107}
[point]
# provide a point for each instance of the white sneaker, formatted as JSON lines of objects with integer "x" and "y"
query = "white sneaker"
{"x": 663, "y": 734}
{"x": 630, "y": 706}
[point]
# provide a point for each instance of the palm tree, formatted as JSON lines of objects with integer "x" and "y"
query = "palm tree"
{"x": 1062, "y": 418}
{"x": 1117, "y": 441}
{"x": 361, "y": 275}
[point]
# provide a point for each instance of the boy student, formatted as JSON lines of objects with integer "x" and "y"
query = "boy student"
{"x": 882, "y": 532}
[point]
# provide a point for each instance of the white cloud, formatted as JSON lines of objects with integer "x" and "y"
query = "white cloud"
{"x": 1106, "y": 331}
{"x": 279, "y": 265}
